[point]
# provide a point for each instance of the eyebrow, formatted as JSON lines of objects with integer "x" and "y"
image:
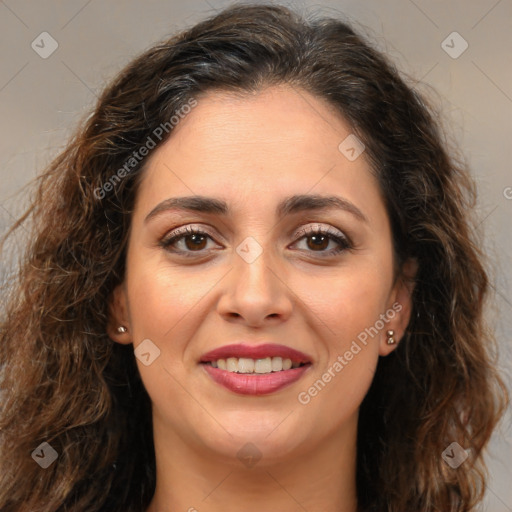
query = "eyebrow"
{"x": 293, "y": 204}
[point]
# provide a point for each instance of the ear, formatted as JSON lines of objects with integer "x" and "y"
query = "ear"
{"x": 118, "y": 316}
{"x": 399, "y": 307}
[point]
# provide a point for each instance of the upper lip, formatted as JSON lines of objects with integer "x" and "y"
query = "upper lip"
{"x": 255, "y": 352}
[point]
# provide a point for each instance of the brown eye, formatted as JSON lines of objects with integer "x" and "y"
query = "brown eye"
{"x": 196, "y": 242}
{"x": 186, "y": 241}
{"x": 318, "y": 240}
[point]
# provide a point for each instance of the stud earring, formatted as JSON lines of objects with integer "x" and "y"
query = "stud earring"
{"x": 391, "y": 339}
{"x": 122, "y": 329}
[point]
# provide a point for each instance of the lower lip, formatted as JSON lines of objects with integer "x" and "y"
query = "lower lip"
{"x": 255, "y": 384}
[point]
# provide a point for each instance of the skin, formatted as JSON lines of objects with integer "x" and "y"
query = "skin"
{"x": 252, "y": 152}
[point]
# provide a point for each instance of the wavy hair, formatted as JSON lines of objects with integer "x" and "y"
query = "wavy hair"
{"x": 63, "y": 381}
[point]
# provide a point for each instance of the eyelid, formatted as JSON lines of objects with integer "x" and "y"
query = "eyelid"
{"x": 314, "y": 227}
{"x": 188, "y": 227}
{"x": 310, "y": 229}
{"x": 343, "y": 241}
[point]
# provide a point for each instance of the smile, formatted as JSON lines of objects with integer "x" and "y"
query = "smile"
{"x": 255, "y": 370}
{"x": 255, "y": 366}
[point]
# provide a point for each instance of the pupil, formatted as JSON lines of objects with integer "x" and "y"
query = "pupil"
{"x": 196, "y": 240}
{"x": 321, "y": 239}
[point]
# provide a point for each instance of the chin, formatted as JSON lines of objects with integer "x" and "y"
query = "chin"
{"x": 263, "y": 436}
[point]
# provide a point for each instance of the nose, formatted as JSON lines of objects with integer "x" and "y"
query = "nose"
{"x": 256, "y": 292}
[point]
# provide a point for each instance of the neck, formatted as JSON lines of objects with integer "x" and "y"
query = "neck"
{"x": 320, "y": 477}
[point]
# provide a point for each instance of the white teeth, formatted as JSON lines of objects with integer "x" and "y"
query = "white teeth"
{"x": 263, "y": 365}
{"x": 232, "y": 364}
{"x": 247, "y": 365}
{"x": 277, "y": 364}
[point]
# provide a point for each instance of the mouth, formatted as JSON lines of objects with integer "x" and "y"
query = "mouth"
{"x": 250, "y": 366}
{"x": 255, "y": 370}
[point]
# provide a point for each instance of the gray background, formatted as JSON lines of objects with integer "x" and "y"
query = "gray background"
{"x": 42, "y": 99}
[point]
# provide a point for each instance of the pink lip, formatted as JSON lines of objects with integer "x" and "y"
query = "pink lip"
{"x": 256, "y": 352}
{"x": 255, "y": 384}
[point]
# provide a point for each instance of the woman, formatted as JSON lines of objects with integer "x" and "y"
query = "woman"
{"x": 252, "y": 284}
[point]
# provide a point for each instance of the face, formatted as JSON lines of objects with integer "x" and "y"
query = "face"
{"x": 263, "y": 259}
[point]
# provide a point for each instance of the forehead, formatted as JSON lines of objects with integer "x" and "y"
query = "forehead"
{"x": 281, "y": 140}
{"x": 277, "y": 118}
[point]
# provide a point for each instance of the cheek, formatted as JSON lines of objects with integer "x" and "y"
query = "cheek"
{"x": 165, "y": 300}
{"x": 348, "y": 301}
{"x": 347, "y": 308}
{"x": 348, "y": 311}
{"x": 165, "y": 307}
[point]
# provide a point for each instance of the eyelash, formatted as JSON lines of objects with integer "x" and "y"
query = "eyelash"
{"x": 342, "y": 240}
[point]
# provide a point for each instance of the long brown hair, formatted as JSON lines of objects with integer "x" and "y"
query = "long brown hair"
{"x": 64, "y": 382}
